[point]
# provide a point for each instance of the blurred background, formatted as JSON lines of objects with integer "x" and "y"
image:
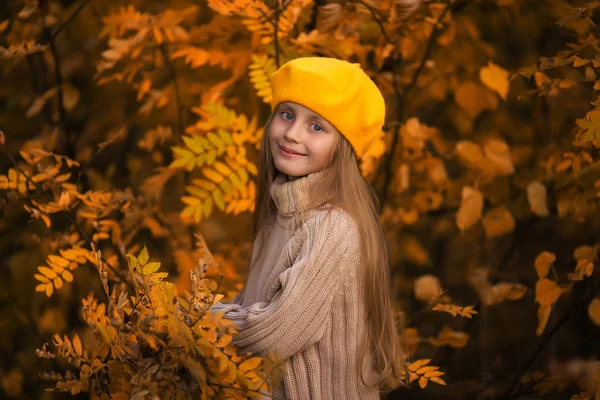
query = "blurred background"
{"x": 137, "y": 123}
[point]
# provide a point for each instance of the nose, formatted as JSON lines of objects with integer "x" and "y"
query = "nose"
{"x": 292, "y": 134}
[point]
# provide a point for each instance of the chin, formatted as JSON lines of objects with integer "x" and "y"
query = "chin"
{"x": 293, "y": 172}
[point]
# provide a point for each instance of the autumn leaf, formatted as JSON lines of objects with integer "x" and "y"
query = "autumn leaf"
{"x": 427, "y": 287}
{"x": 455, "y": 310}
{"x": 474, "y": 98}
{"x": 547, "y": 292}
{"x": 470, "y": 208}
{"x": 543, "y": 262}
{"x": 495, "y": 78}
{"x": 449, "y": 337}
{"x": 498, "y": 221}
{"x": 419, "y": 370}
{"x": 594, "y": 310}
{"x": 538, "y": 198}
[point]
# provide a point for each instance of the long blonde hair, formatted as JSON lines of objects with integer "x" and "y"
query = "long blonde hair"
{"x": 343, "y": 186}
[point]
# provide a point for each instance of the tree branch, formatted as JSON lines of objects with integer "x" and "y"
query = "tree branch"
{"x": 529, "y": 364}
{"x": 376, "y": 18}
{"x": 67, "y": 214}
{"x": 178, "y": 102}
{"x": 69, "y": 145}
{"x": 80, "y": 7}
{"x": 401, "y": 97}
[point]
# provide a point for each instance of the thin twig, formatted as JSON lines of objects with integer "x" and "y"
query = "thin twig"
{"x": 69, "y": 19}
{"x": 527, "y": 366}
{"x": 376, "y": 18}
{"x": 178, "y": 103}
{"x": 70, "y": 148}
{"x": 401, "y": 96}
{"x": 275, "y": 24}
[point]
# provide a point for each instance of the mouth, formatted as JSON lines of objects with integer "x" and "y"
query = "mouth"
{"x": 289, "y": 152}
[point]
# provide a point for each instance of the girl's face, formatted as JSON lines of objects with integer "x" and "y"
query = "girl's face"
{"x": 300, "y": 140}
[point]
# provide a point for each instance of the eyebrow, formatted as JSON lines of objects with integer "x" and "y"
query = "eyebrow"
{"x": 311, "y": 113}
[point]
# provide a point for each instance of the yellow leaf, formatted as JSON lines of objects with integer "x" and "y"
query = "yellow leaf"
{"x": 222, "y": 168}
{"x": 67, "y": 275}
{"x": 218, "y": 197}
{"x": 47, "y": 272}
{"x": 41, "y": 287}
{"x": 143, "y": 256}
{"x": 61, "y": 262}
{"x": 250, "y": 364}
{"x": 204, "y": 184}
{"x": 498, "y": 222}
{"x": 212, "y": 175}
{"x": 543, "y": 262}
{"x": 495, "y": 78}
{"x": 49, "y": 289}
{"x": 538, "y": 198}
{"x": 423, "y": 382}
{"x": 470, "y": 208}
{"x": 207, "y": 207}
{"x": 594, "y": 310}
{"x": 415, "y": 366}
{"x": 58, "y": 283}
{"x": 150, "y": 268}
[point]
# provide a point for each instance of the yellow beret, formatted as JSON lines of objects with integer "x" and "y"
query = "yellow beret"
{"x": 339, "y": 91}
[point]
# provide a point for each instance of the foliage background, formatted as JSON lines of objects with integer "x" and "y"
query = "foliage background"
{"x": 487, "y": 171}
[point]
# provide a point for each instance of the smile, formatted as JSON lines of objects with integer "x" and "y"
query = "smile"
{"x": 289, "y": 152}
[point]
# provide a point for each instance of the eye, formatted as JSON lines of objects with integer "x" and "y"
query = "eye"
{"x": 318, "y": 128}
{"x": 285, "y": 114}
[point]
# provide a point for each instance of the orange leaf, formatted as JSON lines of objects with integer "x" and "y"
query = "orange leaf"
{"x": 594, "y": 310}
{"x": 543, "y": 262}
{"x": 415, "y": 366}
{"x": 249, "y": 364}
{"x": 547, "y": 292}
{"x": 470, "y": 208}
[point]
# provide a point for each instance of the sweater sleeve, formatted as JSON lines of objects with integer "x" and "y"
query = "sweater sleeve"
{"x": 297, "y": 315}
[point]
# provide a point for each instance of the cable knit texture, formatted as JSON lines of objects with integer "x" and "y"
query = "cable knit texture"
{"x": 304, "y": 300}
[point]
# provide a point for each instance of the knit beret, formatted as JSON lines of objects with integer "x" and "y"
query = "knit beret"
{"x": 339, "y": 91}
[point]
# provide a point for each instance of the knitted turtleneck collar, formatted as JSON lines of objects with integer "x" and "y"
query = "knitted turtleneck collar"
{"x": 292, "y": 197}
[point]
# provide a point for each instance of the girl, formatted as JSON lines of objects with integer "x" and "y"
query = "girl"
{"x": 318, "y": 291}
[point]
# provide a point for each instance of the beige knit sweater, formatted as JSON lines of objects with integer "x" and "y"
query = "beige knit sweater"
{"x": 304, "y": 300}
